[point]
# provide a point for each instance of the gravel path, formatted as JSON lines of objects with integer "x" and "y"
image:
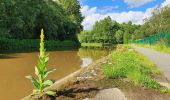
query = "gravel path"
{"x": 162, "y": 60}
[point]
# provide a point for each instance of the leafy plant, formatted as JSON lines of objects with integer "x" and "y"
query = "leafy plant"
{"x": 41, "y": 71}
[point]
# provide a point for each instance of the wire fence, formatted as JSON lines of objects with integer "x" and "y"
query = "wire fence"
{"x": 153, "y": 39}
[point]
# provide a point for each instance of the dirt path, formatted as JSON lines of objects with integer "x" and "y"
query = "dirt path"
{"x": 162, "y": 60}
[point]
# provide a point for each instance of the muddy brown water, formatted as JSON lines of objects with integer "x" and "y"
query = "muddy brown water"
{"x": 14, "y": 68}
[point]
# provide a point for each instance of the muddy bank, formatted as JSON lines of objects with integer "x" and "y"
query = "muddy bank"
{"x": 87, "y": 82}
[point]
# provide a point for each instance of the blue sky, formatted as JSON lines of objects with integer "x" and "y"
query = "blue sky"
{"x": 121, "y": 5}
{"x": 119, "y": 10}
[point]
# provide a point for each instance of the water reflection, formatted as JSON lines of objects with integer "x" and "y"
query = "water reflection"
{"x": 88, "y": 55}
{"x": 86, "y": 62}
{"x": 94, "y": 53}
{"x": 4, "y": 56}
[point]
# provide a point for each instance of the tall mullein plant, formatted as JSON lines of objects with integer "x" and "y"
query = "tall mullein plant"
{"x": 41, "y": 71}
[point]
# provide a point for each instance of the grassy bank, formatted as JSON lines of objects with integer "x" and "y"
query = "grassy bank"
{"x": 91, "y": 44}
{"x": 162, "y": 45}
{"x": 16, "y": 45}
{"x": 130, "y": 64}
{"x": 157, "y": 47}
{"x": 95, "y": 44}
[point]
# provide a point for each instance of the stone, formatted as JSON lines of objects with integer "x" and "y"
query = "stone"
{"x": 109, "y": 94}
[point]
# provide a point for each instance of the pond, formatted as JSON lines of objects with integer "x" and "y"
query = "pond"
{"x": 14, "y": 68}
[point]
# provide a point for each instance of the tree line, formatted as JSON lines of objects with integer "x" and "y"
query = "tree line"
{"x": 109, "y": 31}
{"x": 23, "y": 19}
{"x": 158, "y": 22}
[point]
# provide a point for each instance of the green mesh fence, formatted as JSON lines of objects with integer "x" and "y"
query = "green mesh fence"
{"x": 154, "y": 38}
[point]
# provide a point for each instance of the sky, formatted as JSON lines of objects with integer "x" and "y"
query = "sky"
{"x": 119, "y": 10}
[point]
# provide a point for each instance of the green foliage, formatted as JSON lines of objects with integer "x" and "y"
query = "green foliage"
{"x": 158, "y": 47}
{"x": 140, "y": 79}
{"x": 91, "y": 44}
{"x": 41, "y": 71}
{"x": 108, "y": 31}
{"x": 73, "y": 7}
{"x": 119, "y": 36}
{"x": 127, "y": 63}
{"x": 85, "y": 36}
{"x": 162, "y": 37}
{"x": 22, "y": 19}
{"x": 158, "y": 22}
{"x": 27, "y": 45}
{"x": 159, "y": 42}
{"x": 126, "y": 38}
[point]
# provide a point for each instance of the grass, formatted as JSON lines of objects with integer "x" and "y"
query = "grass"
{"x": 16, "y": 45}
{"x": 157, "y": 47}
{"x": 128, "y": 63}
{"x": 91, "y": 44}
{"x": 163, "y": 45}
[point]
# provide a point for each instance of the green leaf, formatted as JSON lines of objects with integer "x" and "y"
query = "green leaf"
{"x": 36, "y": 91}
{"x": 48, "y": 71}
{"x": 51, "y": 93}
{"x": 46, "y": 59}
{"x": 34, "y": 81}
{"x": 37, "y": 71}
{"x": 48, "y": 82}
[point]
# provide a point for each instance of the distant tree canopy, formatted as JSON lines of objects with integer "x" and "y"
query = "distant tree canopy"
{"x": 108, "y": 31}
{"x": 158, "y": 22}
{"x": 72, "y": 8}
{"x": 23, "y": 19}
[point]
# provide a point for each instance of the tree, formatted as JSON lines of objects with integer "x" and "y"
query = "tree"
{"x": 72, "y": 8}
{"x": 105, "y": 30}
{"x": 22, "y": 19}
{"x": 126, "y": 37}
{"x": 158, "y": 22}
{"x": 109, "y": 31}
{"x": 85, "y": 36}
{"x": 119, "y": 36}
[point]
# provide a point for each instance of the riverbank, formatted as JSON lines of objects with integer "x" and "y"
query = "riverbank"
{"x": 29, "y": 45}
{"x": 88, "y": 82}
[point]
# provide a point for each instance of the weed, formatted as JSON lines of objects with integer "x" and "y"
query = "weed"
{"x": 41, "y": 71}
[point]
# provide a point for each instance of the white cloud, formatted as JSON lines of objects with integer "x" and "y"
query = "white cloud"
{"x": 93, "y": 14}
{"x": 166, "y": 2}
{"x": 137, "y": 3}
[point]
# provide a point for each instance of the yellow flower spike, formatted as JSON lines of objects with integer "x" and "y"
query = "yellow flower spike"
{"x": 42, "y": 35}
